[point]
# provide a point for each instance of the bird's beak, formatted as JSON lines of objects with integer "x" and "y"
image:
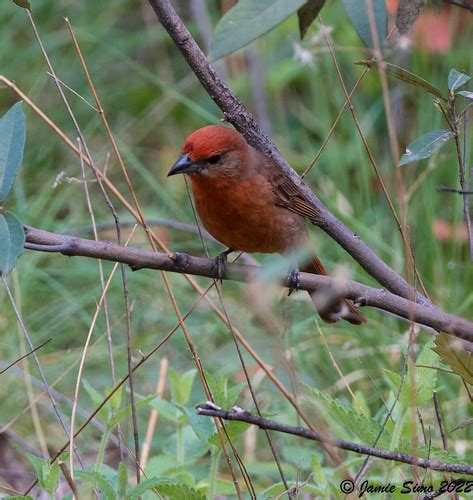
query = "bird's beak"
{"x": 184, "y": 165}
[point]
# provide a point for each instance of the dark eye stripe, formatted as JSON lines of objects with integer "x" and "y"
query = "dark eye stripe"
{"x": 214, "y": 159}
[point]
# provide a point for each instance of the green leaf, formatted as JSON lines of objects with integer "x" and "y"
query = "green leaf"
{"x": 23, "y": 3}
{"x": 193, "y": 446}
{"x": 358, "y": 13}
{"x": 122, "y": 485}
{"x": 319, "y": 475}
{"x": 424, "y": 146}
{"x": 465, "y": 93}
{"x": 99, "y": 482}
{"x": 365, "y": 428}
{"x": 12, "y": 240}
{"x": 407, "y": 14}
{"x": 204, "y": 427}
{"x": 234, "y": 430}
{"x": 425, "y": 379}
{"x": 165, "y": 409}
{"x": 248, "y": 20}
{"x": 181, "y": 386}
{"x": 169, "y": 488}
{"x": 48, "y": 474}
{"x": 160, "y": 465}
{"x": 404, "y": 75}
{"x": 453, "y": 353}
{"x": 307, "y": 14}
{"x": 223, "y": 487}
{"x": 12, "y": 143}
{"x": 116, "y": 398}
{"x": 38, "y": 464}
{"x": 52, "y": 478}
{"x": 456, "y": 79}
{"x": 224, "y": 396}
{"x": 277, "y": 490}
{"x": 97, "y": 400}
{"x": 117, "y": 417}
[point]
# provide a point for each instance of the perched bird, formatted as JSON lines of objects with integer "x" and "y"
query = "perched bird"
{"x": 249, "y": 205}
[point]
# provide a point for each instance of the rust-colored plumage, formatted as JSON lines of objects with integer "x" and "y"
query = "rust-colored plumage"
{"x": 247, "y": 204}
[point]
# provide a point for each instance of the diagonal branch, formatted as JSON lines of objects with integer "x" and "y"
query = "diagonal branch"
{"x": 37, "y": 239}
{"x": 210, "y": 410}
{"x": 236, "y": 113}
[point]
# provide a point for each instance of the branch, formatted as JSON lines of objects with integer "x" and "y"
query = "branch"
{"x": 443, "y": 189}
{"x": 37, "y": 239}
{"x": 244, "y": 122}
{"x": 210, "y": 410}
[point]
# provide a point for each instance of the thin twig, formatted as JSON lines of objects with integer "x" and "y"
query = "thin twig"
{"x": 153, "y": 417}
{"x": 163, "y": 274}
{"x": 237, "y": 414}
{"x": 114, "y": 215}
{"x": 386, "y": 419}
{"x": 461, "y": 157}
{"x": 99, "y": 262}
{"x": 438, "y": 414}
{"x": 400, "y": 226}
{"x": 444, "y": 189}
{"x": 25, "y": 355}
{"x": 69, "y": 479}
{"x": 84, "y": 353}
{"x": 38, "y": 366}
{"x": 59, "y": 396}
{"x": 237, "y": 347}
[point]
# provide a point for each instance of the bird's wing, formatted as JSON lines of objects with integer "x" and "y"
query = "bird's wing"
{"x": 289, "y": 196}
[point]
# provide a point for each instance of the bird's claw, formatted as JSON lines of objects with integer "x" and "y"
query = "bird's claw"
{"x": 221, "y": 264}
{"x": 293, "y": 280}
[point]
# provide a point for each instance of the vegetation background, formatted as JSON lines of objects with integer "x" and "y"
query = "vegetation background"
{"x": 153, "y": 102}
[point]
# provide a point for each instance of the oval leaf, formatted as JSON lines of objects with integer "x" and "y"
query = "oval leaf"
{"x": 457, "y": 79}
{"x": 12, "y": 239}
{"x": 424, "y": 146}
{"x": 247, "y": 21}
{"x": 23, "y": 3}
{"x": 453, "y": 353}
{"x": 404, "y": 75}
{"x": 407, "y": 14}
{"x": 12, "y": 143}
{"x": 307, "y": 13}
{"x": 358, "y": 13}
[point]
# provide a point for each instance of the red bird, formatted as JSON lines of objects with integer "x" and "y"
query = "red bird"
{"x": 249, "y": 205}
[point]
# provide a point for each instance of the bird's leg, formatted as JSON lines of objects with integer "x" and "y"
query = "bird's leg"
{"x": 221, "y": 263}
{"x": 293, "y": 279}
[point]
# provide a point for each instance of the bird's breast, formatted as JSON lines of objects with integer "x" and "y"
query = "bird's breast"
{"x": 242, "y": 214}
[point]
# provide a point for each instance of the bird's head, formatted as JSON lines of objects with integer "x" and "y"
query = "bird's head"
{"x": 213, "y": 151}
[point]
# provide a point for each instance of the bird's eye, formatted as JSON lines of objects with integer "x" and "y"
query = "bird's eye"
{"x": 214, "y": 159}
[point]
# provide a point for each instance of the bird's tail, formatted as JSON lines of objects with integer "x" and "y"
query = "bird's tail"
{"x": 331, "y": 310}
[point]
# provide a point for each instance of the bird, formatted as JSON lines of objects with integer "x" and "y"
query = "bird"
{"x": 247, "y": 203}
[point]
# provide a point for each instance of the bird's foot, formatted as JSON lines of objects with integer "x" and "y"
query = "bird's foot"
{"x": 293, "y": 280}
{"x": 221, "y": 263}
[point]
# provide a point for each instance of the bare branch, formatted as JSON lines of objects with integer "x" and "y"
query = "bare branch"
{"x": 183, "y": 263}
{"x": 237, "y": 414}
